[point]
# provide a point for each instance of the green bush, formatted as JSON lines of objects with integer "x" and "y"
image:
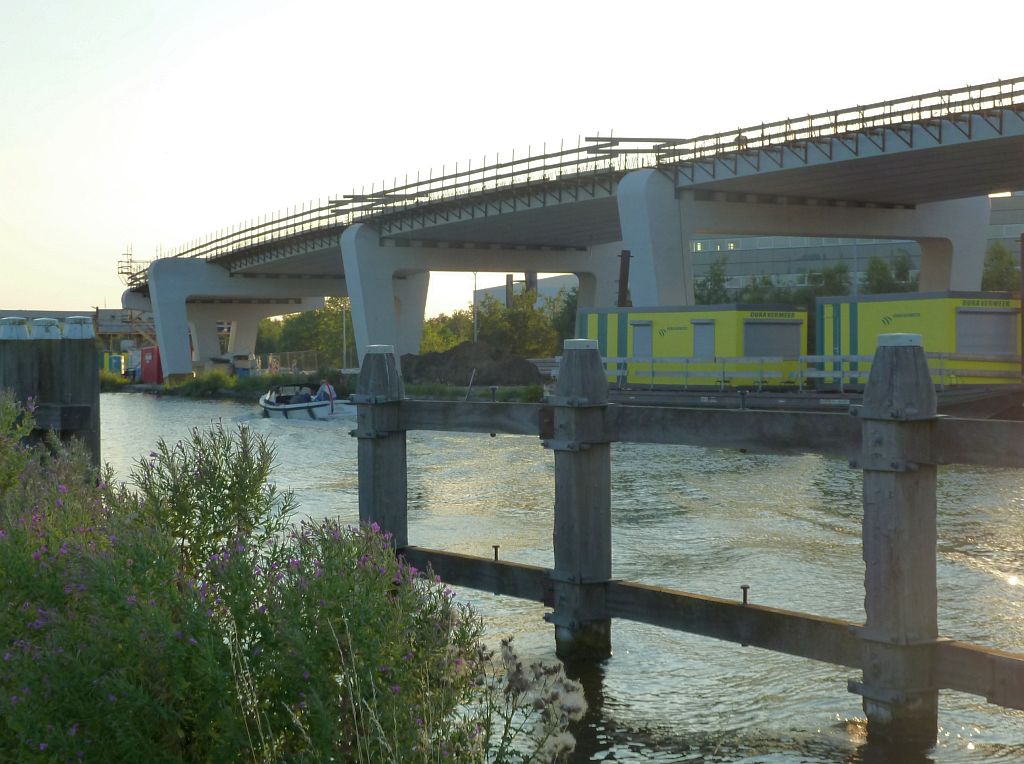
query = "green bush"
{"x": 183, "y": 616}
{"x": 111, "y": 382}
{"x": 205, "y": 385}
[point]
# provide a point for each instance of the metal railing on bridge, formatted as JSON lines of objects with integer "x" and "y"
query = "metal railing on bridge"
{"x": 919, "y": 109}
{"x": 589, "y": 157}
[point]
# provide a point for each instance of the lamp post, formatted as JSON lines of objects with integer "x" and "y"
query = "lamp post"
{"x": 475, "y": 324}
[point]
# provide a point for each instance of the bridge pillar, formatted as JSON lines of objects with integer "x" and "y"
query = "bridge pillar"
{"x": 955, "y": 261}
{"x": 661, "y": 272}
{"x": 202, "y": 324}
{"x": 410, "y": 305}
{"x": 168, "y": 291}
{"x": 599, "y": 285}
{"x": 385, "y": 310}
{"x": 188, "y": 296}
{"x": 242, "y": 336}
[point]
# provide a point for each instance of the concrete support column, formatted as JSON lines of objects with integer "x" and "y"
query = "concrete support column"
{"x": 188, "y": 295}
{"x": 168, "y": 291}
{"x": 899, "y": 537}
{"x": 955, "y": 261}
{"x": 410, "y": 304}
{"x": 242, "y": 338}
{"x": 202, "y": 324}
{"x": 376, "y": 298}
{"x": 582, "y": 528}
{"x": 599, "y": 286}
{"x": 652, "y": 230}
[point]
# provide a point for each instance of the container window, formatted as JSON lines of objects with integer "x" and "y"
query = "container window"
{"x": 771, "y": 338}
{"x": 987, "y": 333}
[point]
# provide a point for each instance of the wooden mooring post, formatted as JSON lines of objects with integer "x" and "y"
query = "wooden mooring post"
{"x": 896, "y": 439}
{"x": 582, "y": 523}
{"x": 899, "y": 545}
{"x": 59, "y": 378}
{"x": 383, "y": 474}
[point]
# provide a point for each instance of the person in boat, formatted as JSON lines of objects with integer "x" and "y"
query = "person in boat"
{"x": 326, "y": 393}
{"x": 302, "y": 396}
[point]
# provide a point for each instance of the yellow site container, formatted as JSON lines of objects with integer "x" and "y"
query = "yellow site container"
{"x": 702, "y": 345}
{"x": 971, "y": 338}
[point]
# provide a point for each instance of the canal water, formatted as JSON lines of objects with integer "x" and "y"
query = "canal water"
{"x": 700, "y": 520}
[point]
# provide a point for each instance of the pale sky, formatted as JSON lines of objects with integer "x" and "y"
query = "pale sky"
{"x": 149, "y": 123}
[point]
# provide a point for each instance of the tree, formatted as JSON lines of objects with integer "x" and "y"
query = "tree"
{"x": 879, "y": 278}
{"x": 563, "y": 308}
{"x": 711, "y": 289}
{"x": 444, "y": 332}
{"x": 521, "y": 328}
{"x": 833, "y": 281}
{"x": 268, "y": 336}
{"x": 901, "y": 267}
{"x": 320, "y": 330}
{"x": 1000, "y": 273}
{"x": 762, "y": 290}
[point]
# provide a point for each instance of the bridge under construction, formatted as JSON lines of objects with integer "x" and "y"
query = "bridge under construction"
{"x": 917, "y": 168}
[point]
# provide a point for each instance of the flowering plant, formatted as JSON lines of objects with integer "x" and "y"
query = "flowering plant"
{"x": 187, "y": 616}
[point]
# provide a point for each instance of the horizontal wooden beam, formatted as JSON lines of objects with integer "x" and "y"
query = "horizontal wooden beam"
{"x": 996, "y": 675}
{"x": 808, "y": 636}
{"x": 982, "y": 442}
{"x": 774, "y": 431}
{"x": 471, "y": 416}
{"x": 528, "y": 582}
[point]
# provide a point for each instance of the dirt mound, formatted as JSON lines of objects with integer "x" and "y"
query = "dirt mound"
{"x": 455, "y": 367}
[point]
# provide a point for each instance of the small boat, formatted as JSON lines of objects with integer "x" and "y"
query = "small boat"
{"x": 294, "y": 401}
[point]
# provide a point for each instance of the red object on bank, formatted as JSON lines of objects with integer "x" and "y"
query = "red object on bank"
{"x": 152, "y": 373}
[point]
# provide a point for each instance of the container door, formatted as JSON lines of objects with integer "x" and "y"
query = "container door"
{"x": 704, "y": 340}
{"x": 643, "y": 345}
{"x": 642, "y": 369}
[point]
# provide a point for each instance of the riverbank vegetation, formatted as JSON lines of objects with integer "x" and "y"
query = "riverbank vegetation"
{"x": 530, "y": 327}
{"x": 188, "y": 615}
{"x": 216, "y": 383}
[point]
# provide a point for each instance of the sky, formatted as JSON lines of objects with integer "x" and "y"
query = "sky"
{"x": 145, "y": 124}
